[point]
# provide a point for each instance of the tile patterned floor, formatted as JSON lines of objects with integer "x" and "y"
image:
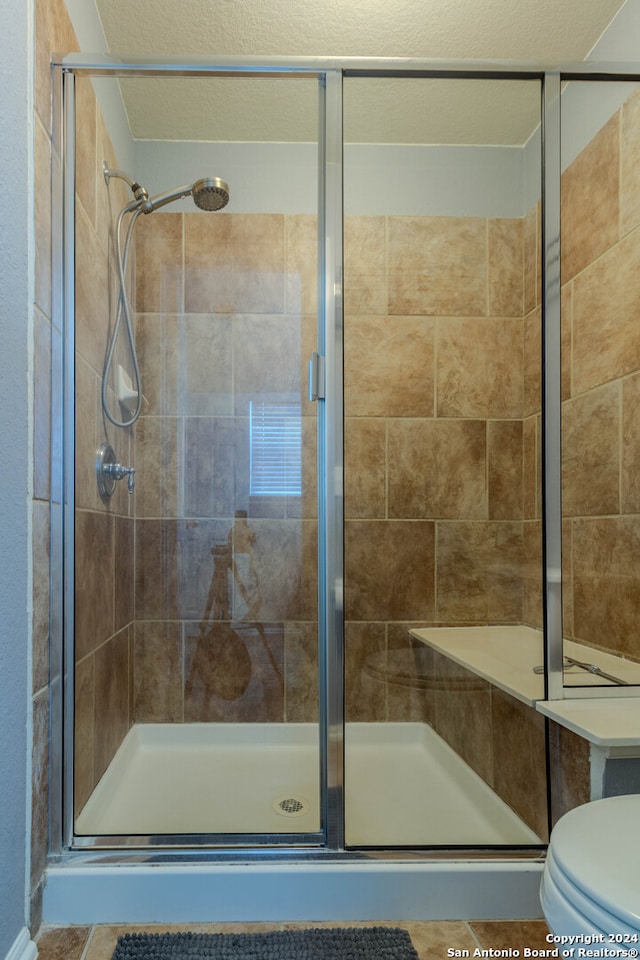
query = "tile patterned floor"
{"x": 432, "y": 939}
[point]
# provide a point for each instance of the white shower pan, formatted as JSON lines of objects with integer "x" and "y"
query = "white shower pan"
{"x": 404, "y": 786}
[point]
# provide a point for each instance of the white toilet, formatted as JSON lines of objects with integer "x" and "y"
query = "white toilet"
{"x": 591, "y": 880}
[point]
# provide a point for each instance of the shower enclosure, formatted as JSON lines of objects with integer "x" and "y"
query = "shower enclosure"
{"x": 312, "y": 565}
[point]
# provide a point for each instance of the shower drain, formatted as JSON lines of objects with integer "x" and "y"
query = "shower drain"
{"x": 288, "y": 806}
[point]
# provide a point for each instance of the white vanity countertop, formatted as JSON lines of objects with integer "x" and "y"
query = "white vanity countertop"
{"x": 506, "y": 655}
{"x": 605, "y": 722}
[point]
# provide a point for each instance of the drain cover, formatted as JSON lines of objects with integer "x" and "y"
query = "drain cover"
{"x": 289, "y": 806}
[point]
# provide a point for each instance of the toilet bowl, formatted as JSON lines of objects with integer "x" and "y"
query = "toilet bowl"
{"x": 591, "y": 879}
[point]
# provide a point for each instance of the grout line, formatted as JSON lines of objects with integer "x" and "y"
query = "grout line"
{"x": 472, "y": 932}
{"x": 183, "y": 667}
{"x": 620, "y": 150}
{"x": 183, "y": 270}
{"x": 436, "y": 528}
{"x": 386, "y": 469}
{"x": 436, "y": 339}
{"x": 620, "y": 445}
{"x": 85, "y": 950}
{"x": 487, "y": 444}
{"x": 572, "y": 632}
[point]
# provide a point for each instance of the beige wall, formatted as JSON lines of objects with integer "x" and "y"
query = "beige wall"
{"x": 442, "y": 418}
{"x": 601, "y": 387}
{"x": 438, "y": 496}
{"x": 104, "y": 606}
{"x": 436, "y": 439}
{"x": 442, "y": 377}
{"x": 225, "y": 314}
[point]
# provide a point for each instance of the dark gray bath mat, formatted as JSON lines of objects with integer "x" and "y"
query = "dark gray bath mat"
{"x": 342, "y": 943}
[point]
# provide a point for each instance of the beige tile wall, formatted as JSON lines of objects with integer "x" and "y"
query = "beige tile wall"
{"x": 500, "y": 738}
{"x": 104, "y": 531}
{"x": 442, "y": 487}
{"x": 435, "y": 448}
{"x": 441, "y": 436}
{"x": 468, "y": 464}
{"x": 225, "y": 314}
{"x": 601, "y": 364}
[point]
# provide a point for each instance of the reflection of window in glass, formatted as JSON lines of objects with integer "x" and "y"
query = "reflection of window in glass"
{"x": 276, "y": 449}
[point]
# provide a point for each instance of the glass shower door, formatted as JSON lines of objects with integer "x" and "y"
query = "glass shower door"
{"x": 196, "y": 575}
{"x": 443, "y": 562}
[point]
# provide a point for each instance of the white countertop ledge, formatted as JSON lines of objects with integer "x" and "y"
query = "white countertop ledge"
{"x": 506, "y": 655}
{"x": 605, "y": 722}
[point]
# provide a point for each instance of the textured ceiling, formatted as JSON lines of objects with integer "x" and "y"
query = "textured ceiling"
{"x": 387, "y": 110}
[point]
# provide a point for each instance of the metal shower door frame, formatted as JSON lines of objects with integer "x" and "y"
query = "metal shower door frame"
{"x": 330, "y": 724}
{"x": 330, "y": 74}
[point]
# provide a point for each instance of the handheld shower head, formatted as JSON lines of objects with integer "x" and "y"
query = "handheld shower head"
{"x": 209, "y": 193}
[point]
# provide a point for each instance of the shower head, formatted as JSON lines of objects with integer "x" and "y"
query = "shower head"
{"x": 210, "y": 193}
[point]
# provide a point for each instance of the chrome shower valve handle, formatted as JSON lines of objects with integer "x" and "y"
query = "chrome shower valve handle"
{"x": 118, "y": 472}
{"x": 109, "y": 471}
